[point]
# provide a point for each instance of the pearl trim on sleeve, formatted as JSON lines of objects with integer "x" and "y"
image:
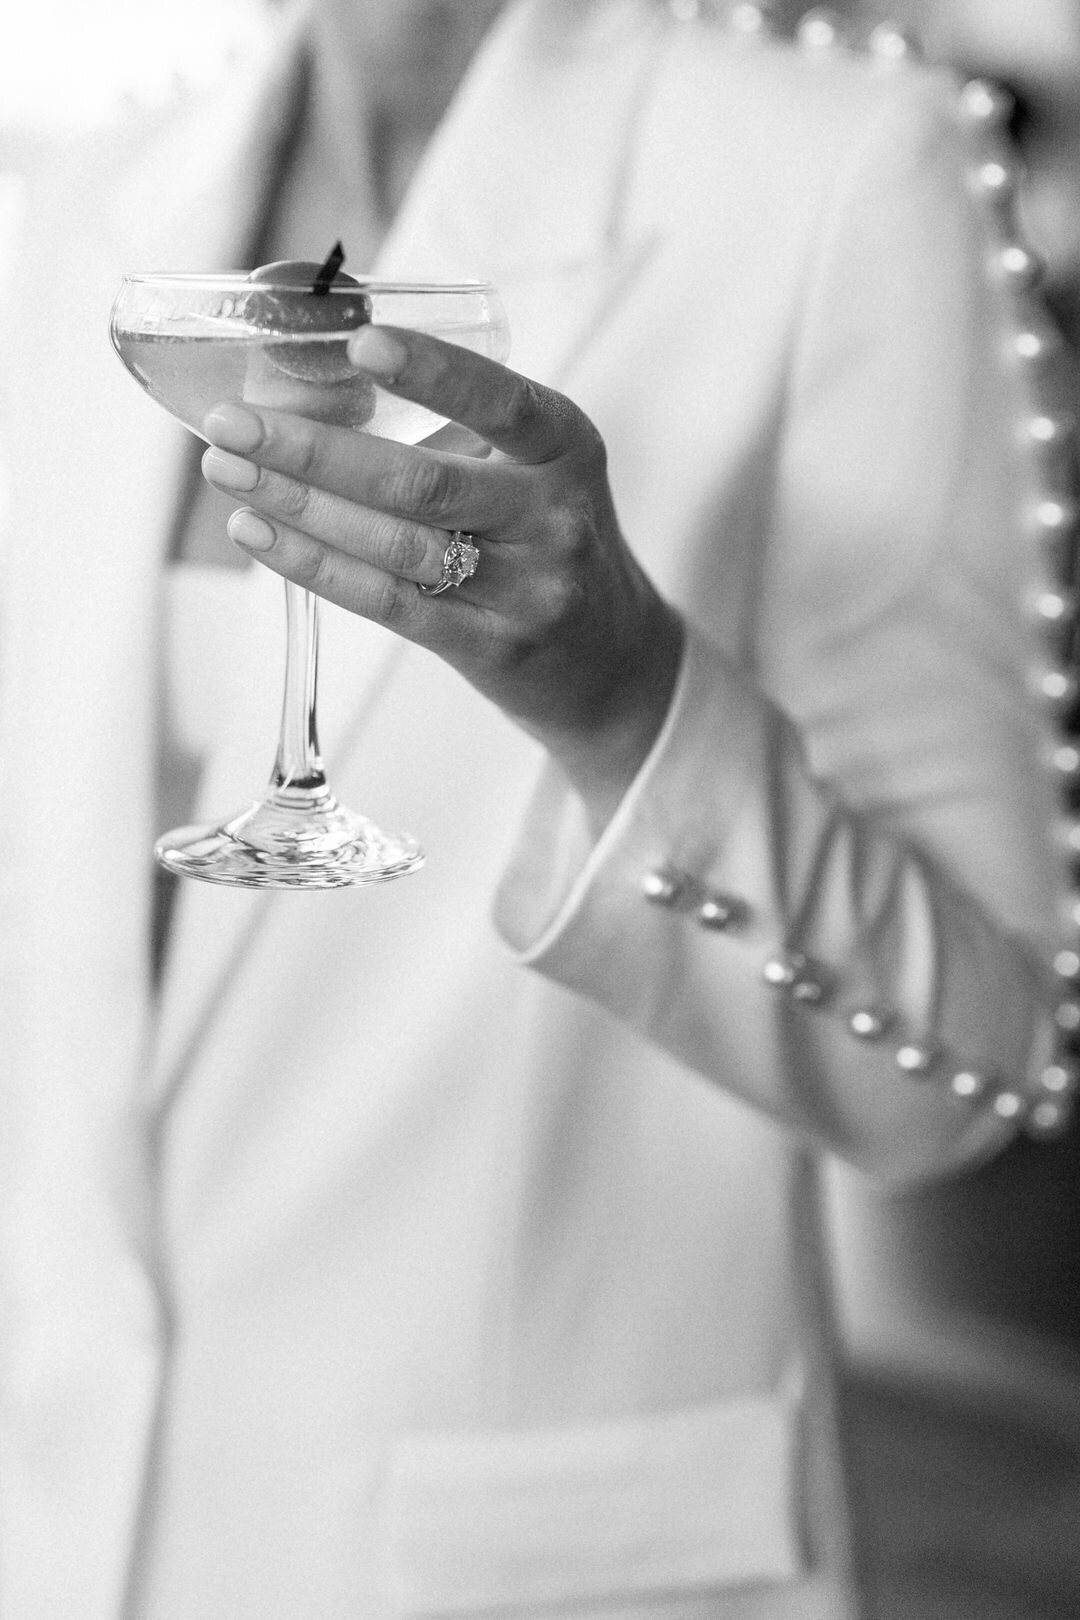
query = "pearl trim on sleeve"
{"x": 1043, "y": 1107}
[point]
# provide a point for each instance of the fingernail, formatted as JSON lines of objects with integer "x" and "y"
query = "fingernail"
{"x": 379, "y": 352}
{"x": 231, "y": 427}
{"x": 222, "y": 468}
{"x": 250, "y": 531}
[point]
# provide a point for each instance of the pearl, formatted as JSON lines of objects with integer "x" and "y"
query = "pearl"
{"x": 1067, "y": 1016}
{"x": 916, "y": 1058}
{"x": 969, "y": 1085}
{"x": 820, "y": 30}
{"x": 867, "y": 1024}
{"x": 1046, "y": 429}
{"x": 1057, "y": 686}
{"x": 1056, "y": 513}
{"x": 749, "y": 19}
{"x": 1066, "y": 759}
{"x": 811, "y": 991}
{"x": 890, "y": 43}
{"x": 1048, "y": 1120}
{"x": 986, "y": 103}
{"x": 996, "y": 177}
{"x": 1060, "y": 1079}
{"x": 663, "y": 887}
{"x": 781, "y": 972}
{"x": 1008, "y": 1105}
{"x": 723, "y": 911}
{"x": 1067, "y": 965}
{"x": 1032, "y": 345}
{"x": 1020, "y": 264}
{"x": 1054, "y": 606}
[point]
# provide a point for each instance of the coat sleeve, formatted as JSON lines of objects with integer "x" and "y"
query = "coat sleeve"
{"x": 834, "y": 887}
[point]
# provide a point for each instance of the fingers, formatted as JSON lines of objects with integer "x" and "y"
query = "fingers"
{"x": 425, "y": 485}
{"x": 401, "y": 547}
{"x": 519, "y": 417}
{"x": 357, "y": 586}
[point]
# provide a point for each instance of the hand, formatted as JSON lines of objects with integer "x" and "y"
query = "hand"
{"x": 559, "y": 626}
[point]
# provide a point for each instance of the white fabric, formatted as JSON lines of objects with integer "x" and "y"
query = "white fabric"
{"x": 541, "y": 1517}
{"x": 367, "y": 1185}
{"x": 211, "y": 647}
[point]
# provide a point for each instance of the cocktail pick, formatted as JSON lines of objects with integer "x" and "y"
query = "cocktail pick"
{"x": 324, "y": 276}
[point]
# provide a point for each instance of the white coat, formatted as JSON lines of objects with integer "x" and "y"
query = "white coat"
{"x": 401, "y": 1261}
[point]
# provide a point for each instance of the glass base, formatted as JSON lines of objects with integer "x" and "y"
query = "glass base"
{"x": 280, "y": 843}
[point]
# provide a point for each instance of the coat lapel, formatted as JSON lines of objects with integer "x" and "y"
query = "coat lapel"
{"x": 77, "y": 725}
{"x": 503, "y": 197}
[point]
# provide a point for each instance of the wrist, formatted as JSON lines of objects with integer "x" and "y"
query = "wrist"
{"x": 602, "y": 762}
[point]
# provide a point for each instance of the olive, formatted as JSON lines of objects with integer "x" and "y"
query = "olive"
{"x": 287, "y": 313}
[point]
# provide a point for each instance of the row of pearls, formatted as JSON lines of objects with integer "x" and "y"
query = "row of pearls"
{"x": 1049, "y": 432}
{"x": 1044, "y": 1109}
{"x": 814, "y": 985}
{"x": 819, "y": 30}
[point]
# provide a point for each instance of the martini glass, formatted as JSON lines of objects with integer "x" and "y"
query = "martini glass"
{"x": 193, "y": 341}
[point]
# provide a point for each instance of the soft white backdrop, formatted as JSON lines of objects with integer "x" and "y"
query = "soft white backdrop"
{"x": 74, "y": 63}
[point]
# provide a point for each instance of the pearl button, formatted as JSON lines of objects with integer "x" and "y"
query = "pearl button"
{"x": 809, "y": 990}
{"x": 663, "y": 887}
{"x": 968, "y": 1084}
{"x": 749, "y": 19}
{"x": 1048, "y": 1120}
{"x": 723, "y": 912}
{"x": 1020, "y": 264}
{"x": 890, "y": 43}
{"x": 1060, "y": 1079}
{"x": 1008, "y": 1104}
{"x": 916, "y": 1057}
{"x": 1067, "y": 1016}
{"x": 986, "y": 103}
{"x": 820, "y": 30}
{"x": 867, "y": 1024}
{"x": 781, "y": 972}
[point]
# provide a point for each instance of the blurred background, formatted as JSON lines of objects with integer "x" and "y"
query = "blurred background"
{"x": 960, "y": 1306}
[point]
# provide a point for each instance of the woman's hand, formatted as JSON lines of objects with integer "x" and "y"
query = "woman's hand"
{"x": 559, "y": 626}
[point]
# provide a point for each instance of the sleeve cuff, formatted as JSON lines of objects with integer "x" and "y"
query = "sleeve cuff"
{"x": 674, "y": 814}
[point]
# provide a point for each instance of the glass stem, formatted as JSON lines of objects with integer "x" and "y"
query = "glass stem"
{"x": 298, "y": 776}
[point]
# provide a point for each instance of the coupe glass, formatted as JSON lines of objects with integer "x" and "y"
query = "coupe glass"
{"x": 195, "y": 340}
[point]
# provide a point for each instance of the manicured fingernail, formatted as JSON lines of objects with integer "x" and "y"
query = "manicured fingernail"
{"x": 379, "y": 352}
{"x": 222, "y": 468}
{"x": 231, "y": 427}
{"x": 250, "y": 531}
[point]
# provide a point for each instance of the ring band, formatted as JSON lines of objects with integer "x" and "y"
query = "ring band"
{"x": 458, "y": 564}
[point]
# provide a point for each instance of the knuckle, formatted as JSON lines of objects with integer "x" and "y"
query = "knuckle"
{"x": 293, "y": 499}
{"x": 591, "y": 447}
{"x": 406, "y": 549}
{"x": 426, "y": 487}
{"x": 314, "y": 567}
{"x": 560, "y": 602}
{"x": 388, "y": 601}
{"x": 303, "y": 450}
{"x": 569, "y": 530}
{"x": 524, "y": 405}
